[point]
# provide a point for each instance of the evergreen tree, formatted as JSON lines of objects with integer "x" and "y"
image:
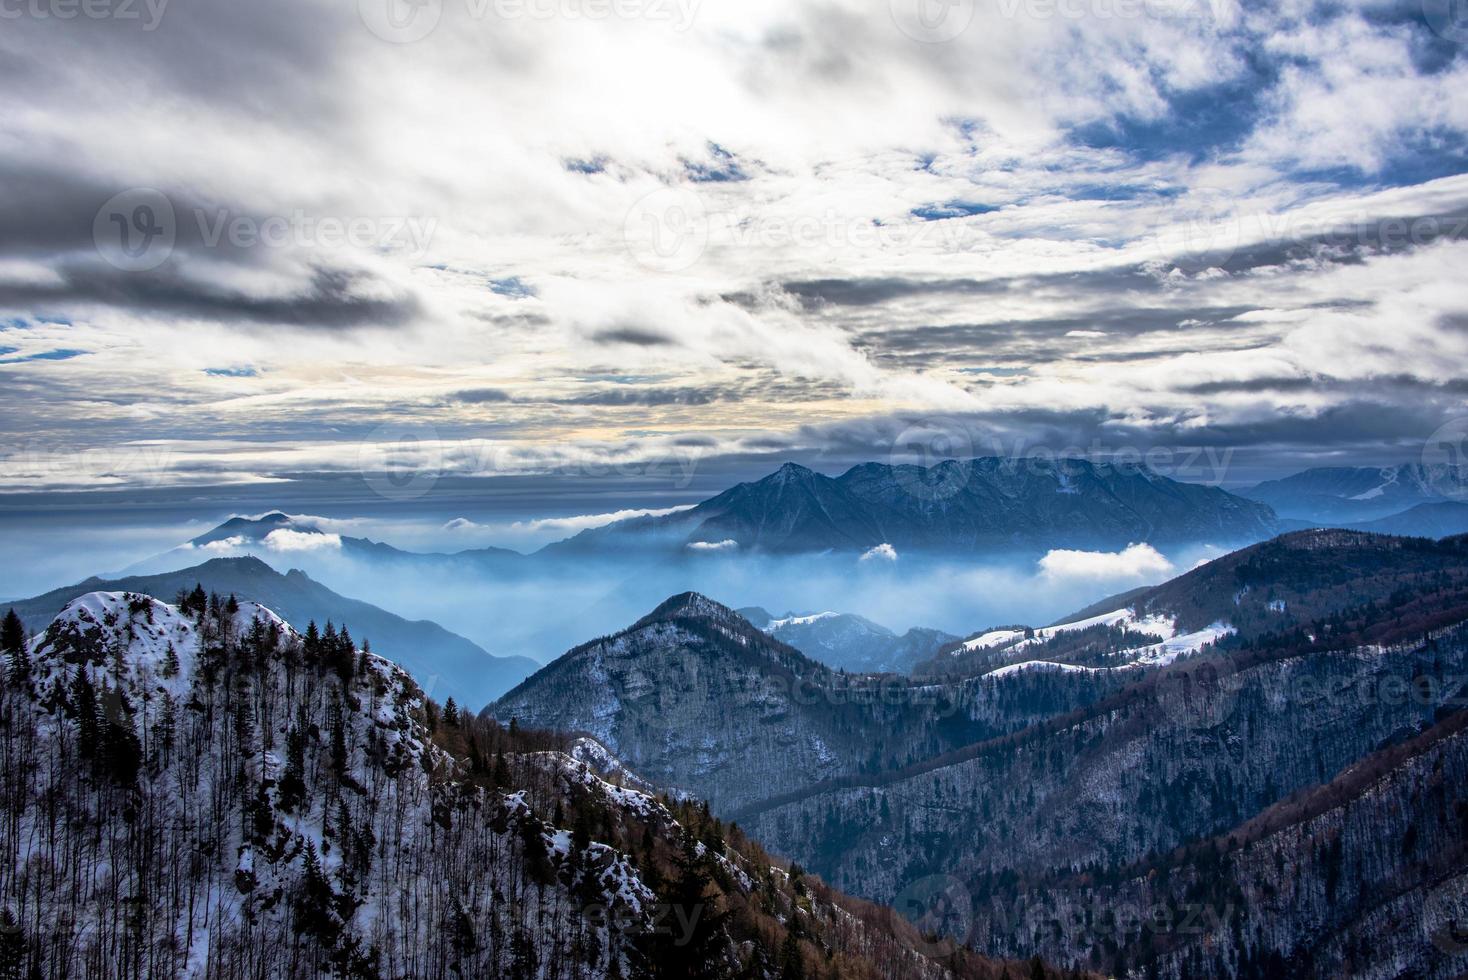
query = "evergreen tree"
{"x": 84, "y": 707}
{"x": 293, "y": 780}
{"x": 12, "y": 946}
{"x": 691, "y": 944}
{"x": 12, "y": 633}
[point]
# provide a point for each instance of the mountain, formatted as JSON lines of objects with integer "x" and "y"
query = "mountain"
{"x": 1050, "y": 831}
{"x": 285, "y": 537}
{"x": 1381, "y": 891}
{"x": 1354, "y": 494}
{"x": 696, "y": 698}
{"x": 1271, "y": 588}
{"x": 849, "y": 642}
{"x": 203, "y": 791}
{"x": 1438, "y": 520}
{"x": 445, "y": 663}
{"x": 976, "y": 505}
{"x": 1109, "y": 757}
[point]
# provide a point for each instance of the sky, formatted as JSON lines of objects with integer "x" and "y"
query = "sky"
{"x": 557, "y": 258}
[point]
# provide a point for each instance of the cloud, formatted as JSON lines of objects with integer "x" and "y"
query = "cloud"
{"x": 581, "y": 522}
{"x": 728, "y": 544}
{"x": 1136, "y": 563}
{"x": 1121, "y": 213}
{"x": 882, "y": 552}
{"x": 224, "y": 544}
{"x": 285, "y": 540}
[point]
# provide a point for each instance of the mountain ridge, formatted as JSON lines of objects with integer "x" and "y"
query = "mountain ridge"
{"x": 951, "y": 507}
{"x": 439, "y": 659}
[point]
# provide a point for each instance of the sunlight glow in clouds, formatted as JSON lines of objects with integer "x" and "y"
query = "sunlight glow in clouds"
{"x": 759, "y": 227}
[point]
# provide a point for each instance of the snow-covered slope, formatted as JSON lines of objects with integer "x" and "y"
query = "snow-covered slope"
{"x": 203, "y": 792}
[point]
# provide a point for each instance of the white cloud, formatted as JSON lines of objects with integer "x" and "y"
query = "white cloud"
{"x": 728, "y": 544}
{"x": 882, "y": 552}
{"x": 224, "y": 544}
{"x": 582, "y": 522}
{"x": 1136, "y": 563}
{"x": 285, "y": 540}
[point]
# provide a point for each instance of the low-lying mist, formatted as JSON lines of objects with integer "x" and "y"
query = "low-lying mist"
{"x": 550, "y": 605}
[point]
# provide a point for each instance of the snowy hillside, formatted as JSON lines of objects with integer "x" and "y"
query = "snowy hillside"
{"x": 200, "y": 791}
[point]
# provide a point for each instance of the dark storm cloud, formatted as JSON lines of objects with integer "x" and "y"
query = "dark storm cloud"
{"x": 481, "y": 396}
{"x": 636, "y": 336}
{"x": 329, "y": 297}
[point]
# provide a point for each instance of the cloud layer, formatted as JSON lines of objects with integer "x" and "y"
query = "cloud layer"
{"x": 259, "y": 244}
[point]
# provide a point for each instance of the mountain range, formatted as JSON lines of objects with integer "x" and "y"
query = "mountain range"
{"x": 444, "y": 663}
{"x": 961, "y": 507}
{"x": 1336, "y": 495}
{"x": 1051, "y": 771}
{"x": 850, "y": 642}
{"x": 199, "y": 790}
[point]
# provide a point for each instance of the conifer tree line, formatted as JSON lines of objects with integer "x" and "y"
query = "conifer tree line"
{"x": 199, "y": 791}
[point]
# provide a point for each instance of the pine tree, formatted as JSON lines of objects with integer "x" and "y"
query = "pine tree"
{"x": 693, "y": 946}
{"x": 12, "y": 633}
{"x": 12, "y": 946}
{"x": 84, "y": 706}
{"x": 293, "y": 780}
{"x": 792, "y": 959}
